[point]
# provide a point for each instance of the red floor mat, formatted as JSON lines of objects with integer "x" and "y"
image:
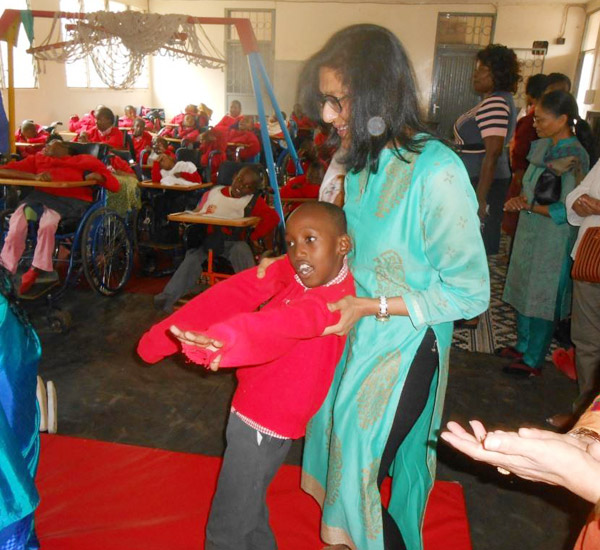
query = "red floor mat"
{"x": 107, "y": 496}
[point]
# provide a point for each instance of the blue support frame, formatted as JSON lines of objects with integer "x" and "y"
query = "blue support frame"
{"x": 258, "y": 71}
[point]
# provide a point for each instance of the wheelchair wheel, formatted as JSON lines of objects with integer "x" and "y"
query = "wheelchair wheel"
{"x": 144, "y": 224}
{"x": 59, "y": 321}
{"x": 106, "y": 252}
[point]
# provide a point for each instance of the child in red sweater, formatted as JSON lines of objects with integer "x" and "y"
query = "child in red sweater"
{"x": 285, "y": 365}
{"x": 129, "y": 118}
{"x": 141, "y": 139}
{"x": 104, "y": 131}
{"x": 53, "y": 203}
{"x": 244, "y": 135}
{"x": 32, "y": 133}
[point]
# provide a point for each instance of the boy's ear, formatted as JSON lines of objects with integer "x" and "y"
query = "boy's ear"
{"x": 344, "y": 244}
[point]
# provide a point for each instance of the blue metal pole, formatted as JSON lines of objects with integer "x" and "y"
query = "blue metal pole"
{"x": 253, "y": 62}
{"x": 286, "y": 134}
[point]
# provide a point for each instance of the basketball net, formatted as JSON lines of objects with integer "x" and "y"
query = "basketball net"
{"x": 119, "y": 42}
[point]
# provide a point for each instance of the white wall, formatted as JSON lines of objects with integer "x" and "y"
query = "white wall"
{"x": 301, "y": 28}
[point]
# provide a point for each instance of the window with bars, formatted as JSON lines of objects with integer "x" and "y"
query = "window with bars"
{"x": 238, "y": 73}
{"x": 81, "y": 73}
{"x": 25, "y": 68}
{"x": 464, "y": 29}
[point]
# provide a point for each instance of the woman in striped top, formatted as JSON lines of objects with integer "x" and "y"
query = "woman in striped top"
{"x": 483, "y": 133}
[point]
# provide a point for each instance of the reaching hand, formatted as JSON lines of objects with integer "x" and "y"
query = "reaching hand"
{"x": 94, "y": 176}
{"x": 264, "y": 264}
{"x": 351, "y": 312}
{"x": 199, "y": 340}
{"x": 537, "y": 455}
{"x": 516, "y": 204}
{"x": 586, "y": 206}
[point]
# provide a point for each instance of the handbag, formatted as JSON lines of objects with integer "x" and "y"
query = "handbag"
{"x": 547, "y": 188}
{"x": 587, "y": 258}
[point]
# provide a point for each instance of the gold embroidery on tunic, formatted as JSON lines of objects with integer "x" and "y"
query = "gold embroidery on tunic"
{"x": 389, "y": 273}
{"x": 374, "y": 393}
{"x": 334, "y": 471}
{"x": 370, "y": 500}
{"x": 398, "y": 175}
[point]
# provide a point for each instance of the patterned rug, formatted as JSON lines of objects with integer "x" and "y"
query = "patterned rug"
{"x": 498, "y": 325}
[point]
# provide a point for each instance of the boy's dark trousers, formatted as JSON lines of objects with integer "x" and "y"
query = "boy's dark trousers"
{"x": 239, "y": 518}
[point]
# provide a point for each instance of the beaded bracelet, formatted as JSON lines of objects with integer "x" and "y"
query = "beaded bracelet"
{"x": 581, "y": 433}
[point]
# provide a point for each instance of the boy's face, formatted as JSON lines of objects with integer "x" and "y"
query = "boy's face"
{"x": 28, "y": 131}
{"x": 235, "y": 109}
{"x": 103, "y": 122}
{"x": 315, "y": 246}
{"x": 56, "y": 149}
{"x": 166, "y": 162}
{"x": 159, "y": 144}
{"x": 245, "y": 124}
{"x": 130, "y": 112}
{"x": 243, "y": 184}
{"x": 138, "y": 127}
{"x": 189, "y": 121}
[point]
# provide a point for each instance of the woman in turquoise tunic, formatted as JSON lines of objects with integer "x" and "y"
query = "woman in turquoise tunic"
{"x": 538, "y": 282}
{"x": 19, "y": 421}
{"x": 419, "y": 264}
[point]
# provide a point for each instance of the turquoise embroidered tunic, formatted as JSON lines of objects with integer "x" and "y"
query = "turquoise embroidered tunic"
{"x": 416, "y": 234}
{"x": 538, "y": 282}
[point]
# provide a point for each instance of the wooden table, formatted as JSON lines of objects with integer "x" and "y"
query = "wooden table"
{"x": 35, "y": 183}
{"x": 152, "y": 185}
{"x": 27, "y": 144}
{"x": 297, "y": 199}
{"x": 68, "y": 134}
{"x": 172, "y": 139}
{"x": 186, "y": 217}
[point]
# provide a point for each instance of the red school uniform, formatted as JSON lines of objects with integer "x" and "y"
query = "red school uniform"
{"x": 227, "y": 121}
{"x": 39, "y": 139}
{"x": 113, "y": 137}
{"x": 189, "y": 133}
{"x": 70, "y": 168}
{"x": 247, "y": 138}
{"x": 140, "y": 143}
{"x": 299, "y": 188}
{"x": 285, "y": 365}
{"x": 83, "y": 124}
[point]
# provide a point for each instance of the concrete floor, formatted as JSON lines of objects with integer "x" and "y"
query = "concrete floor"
{"x": 105, "y": 392}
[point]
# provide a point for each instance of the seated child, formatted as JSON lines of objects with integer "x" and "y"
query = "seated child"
{"x": 85, "y": 123}
{"x": 301, "y": 119}
{"x": 273, "y": 126}
{"x": 55, "y": 163}
{"x": 104, "y": 131}
{"x": 235, "y": 114}
{"x": 213, "y": 147}
{"x": 169, "y": 171}
{"x": 30, "y": 132}
{"x": 306, "y": 186}
{"x": 244, "y": 135}
{"x": 190, "y": 109}
{"x": 141, "y": 139}
{"x": 129, "y": 118}
{"x": 307, "y": 154}
{"x": 159, "y": 147}
{"x": 188, "y": 131}
{"x": 238, "y": 200}
{"x": 285, "y": 366}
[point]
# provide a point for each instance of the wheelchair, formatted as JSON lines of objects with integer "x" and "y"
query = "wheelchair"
{"x": 98, "y": 246}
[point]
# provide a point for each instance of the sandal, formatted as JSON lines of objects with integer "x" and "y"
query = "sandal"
{"x": 521, "y": 369}
{"x": 508, "y": 352}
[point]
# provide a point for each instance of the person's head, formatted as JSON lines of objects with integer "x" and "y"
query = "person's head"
{"x": 246, "y": 181}
{"x": 159, "y": 144}
{"x": 535, "y": 88}
{"x": 315, "y": 173}
{"x": 130, "y": 111}
{"x": 557, "y": 116}
{"x": 317, "y": 242}
{"x": 558, "y": 81}
{"x": 191, "y": 109}
{"x": 496, "y": 70}
{"x": 189, "y": 121}
{"x": 246, "y": 123}
{"x": 56, "y": 148}
{"x": 139, "y": 126}
{"x": 166, "y": 162}
{"x": 307, "y": 150}
{"x": 362, "y": 83}
{"x": 235, "y": 108}
{"x": 105, "y": 118}
{"x": 298, "y": 110}
{"x": 28, "y": 129}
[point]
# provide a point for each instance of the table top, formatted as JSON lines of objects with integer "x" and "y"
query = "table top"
{"x": 188, "y": 217}
{"x": 26, "y": 144}
{"x": 297, "y": 199}
{"x": 34, "y": 183}
{"x": 172, "y": 139}
{"x": 234, "y": 144}
{"x": 152, "y": 185}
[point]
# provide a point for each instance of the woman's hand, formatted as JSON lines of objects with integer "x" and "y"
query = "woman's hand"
{"x": 536, "y": 455}
{"x": 516, "y": 204}
{"x": 264, "y": 264}
{"x": 586, "y": 206}
{"x": 351, "y": 309}
{"x": 197, "y": 339}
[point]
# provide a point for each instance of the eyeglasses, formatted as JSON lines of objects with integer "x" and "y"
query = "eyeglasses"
{"x": 334, "y": 103}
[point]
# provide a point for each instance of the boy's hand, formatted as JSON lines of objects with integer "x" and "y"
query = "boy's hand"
{"x": 43, "y": 176}
{"x": 200, "y": 340}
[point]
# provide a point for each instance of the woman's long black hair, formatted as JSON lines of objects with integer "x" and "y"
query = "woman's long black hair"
{"x": 373, "y": 65}
{"x": 563, "y": 103}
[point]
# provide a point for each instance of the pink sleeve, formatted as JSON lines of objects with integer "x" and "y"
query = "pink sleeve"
{"x": 492, "y": 117}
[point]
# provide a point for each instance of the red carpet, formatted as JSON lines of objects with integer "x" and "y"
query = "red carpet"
{"x": 107, "y": 496}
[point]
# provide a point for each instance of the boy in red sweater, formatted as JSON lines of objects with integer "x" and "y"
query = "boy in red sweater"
{"x": 245, "y": 136}
{"x": 238, "y": 200}
{"x": 104, "y": 131}
{"x": 234, "y": 115}
{"x": 286, "y": 366}
{"x": 30, "y": 132}
{"x": 141, "y": 139}
{"x": 129, "y": 118}
{"x": 54, "y": 164}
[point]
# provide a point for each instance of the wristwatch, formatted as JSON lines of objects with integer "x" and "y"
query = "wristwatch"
{"x": 382, "y": 315}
